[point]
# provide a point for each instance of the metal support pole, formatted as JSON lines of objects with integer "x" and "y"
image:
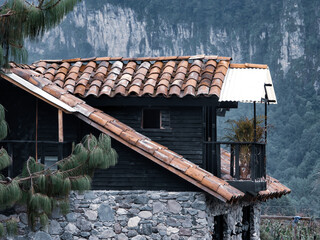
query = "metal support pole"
{"x": 215, "y": 147}
{"x": 265, "y": 120}
{"x": 36, "y": 147}
{"x": 255, "y": 122}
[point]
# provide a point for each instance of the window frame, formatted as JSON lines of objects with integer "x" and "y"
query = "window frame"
{"x": 161, "y": 128}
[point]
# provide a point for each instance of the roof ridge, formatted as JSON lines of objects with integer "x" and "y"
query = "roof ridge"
{"x": 161, "y": 58}
{"x": 248, "y": 65}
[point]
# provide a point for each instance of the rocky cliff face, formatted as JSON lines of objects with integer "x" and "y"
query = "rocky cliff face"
{"x": 113, "y": 30}
{"x": 107, "y": 29}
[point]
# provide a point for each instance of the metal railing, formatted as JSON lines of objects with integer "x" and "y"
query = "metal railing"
{"x": 247, "y": 159}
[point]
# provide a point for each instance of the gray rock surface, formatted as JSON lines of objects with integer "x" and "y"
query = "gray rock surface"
{"x": 55, "y": 228}
{"x": 42, "y": 236}
{"x": 152, "y": 215}
{"x": 105, "y": 213}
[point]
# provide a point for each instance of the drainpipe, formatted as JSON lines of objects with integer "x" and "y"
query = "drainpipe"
{"x": 255, "y": 122}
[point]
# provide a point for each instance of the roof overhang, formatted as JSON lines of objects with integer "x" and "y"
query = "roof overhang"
{"x": 248, "y": 85}
{"x": 38, "y": 92}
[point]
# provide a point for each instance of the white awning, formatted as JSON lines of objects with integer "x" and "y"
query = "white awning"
{"x": 247, "y": 85}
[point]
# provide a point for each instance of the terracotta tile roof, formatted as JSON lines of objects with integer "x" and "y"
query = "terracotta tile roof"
{"x": 274, "y": 188}
{"x": 157, "y": 76}
{"x": 198, "y": 75}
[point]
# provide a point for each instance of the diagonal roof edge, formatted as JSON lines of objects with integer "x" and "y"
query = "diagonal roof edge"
{"x": 60, "y": 98}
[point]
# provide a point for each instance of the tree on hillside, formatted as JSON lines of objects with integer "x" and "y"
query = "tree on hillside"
{"x": 41, "y": 188}
{"x": 21, "y": 19}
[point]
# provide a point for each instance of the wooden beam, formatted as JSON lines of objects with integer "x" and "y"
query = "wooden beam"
{"x": 60, "y": 125}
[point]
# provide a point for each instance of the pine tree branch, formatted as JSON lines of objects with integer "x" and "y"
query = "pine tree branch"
{"x": 27, "y": 2}
{"x": 31, "y": 179}
{"x": 15, "y": 45}
{"x": 37, "y": 174}
{"x": 48, "y": 6}
{"x": 8, "y": 14}
{"x": 40, "y": 4}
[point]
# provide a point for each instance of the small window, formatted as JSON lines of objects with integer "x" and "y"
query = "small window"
{"x": 151, "y": 118}
{"x": 246, "y": 221}
{"x": 219, "y": 227}
{"x": 49, "y": 161}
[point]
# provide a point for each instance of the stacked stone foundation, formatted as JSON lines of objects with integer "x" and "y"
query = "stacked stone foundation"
{"x": 141, "y": 215}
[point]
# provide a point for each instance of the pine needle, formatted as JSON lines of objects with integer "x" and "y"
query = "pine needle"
{"x": 12, "y": 227}
{"x": 64, "y": 206}
{"x": 40, "y": 202}
{"x": 3, "y": 129}
{"x": 1, "y": 230}
{"x": 81, "y": 183}
{"x": 44, "y": 219}
{"x": 5, "y": 159}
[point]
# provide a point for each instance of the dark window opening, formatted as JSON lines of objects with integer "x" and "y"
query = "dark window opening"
{"x": 246, "y": 220}
{"x": 219, "y": 225}
{"x": 151, "y": 118}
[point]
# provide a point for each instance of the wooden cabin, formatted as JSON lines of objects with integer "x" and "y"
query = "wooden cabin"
{"x": 161, "y": 113}
{"x": 174, "y": 101}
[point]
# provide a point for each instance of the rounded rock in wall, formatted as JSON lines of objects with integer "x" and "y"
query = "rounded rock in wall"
{"x": 42, "y": 236}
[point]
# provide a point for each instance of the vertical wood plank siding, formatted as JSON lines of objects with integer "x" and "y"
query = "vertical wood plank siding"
{"x": 182, "y": 134}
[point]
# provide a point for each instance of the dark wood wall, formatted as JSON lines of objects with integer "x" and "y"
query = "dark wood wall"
{"x": 134, "y": 171}
{"x": 182, "y": 133}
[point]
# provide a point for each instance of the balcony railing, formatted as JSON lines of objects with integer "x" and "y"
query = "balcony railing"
{"x": 47, "y": 151}
{"x": 247, "y": 159}
{"x": 245, "y": 162}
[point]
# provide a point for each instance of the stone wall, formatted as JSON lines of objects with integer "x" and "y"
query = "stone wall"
{"x": 141, "y": 215}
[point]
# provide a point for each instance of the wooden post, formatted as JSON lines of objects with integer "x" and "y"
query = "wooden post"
{"x": 60, "y": 125}
{"x": 60, "y": 134}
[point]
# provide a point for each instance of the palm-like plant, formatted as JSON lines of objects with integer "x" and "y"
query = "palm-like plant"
{"x": 242, "y": 130}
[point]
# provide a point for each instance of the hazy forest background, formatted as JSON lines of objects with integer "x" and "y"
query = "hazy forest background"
{"x": 282, "y": 34}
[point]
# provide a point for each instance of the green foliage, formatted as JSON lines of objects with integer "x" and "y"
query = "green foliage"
{"x": 11, "y": 227}
{"x": 64, "y": 206}
{"x": 1, "y": 230}
{"x": 5, "y": 159}
{"x": 3, "y": 124}
{"x": 80, "y": 183}
{"x": 39, "y": 201}
{"x": 10, "y": 193}
{"x": 286, "y": 229}
{"x": 20, "y": 19}
{"x": 44, "y": 219}
{"x": 242, "y": 130}
{"x": 41, "y": 189}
